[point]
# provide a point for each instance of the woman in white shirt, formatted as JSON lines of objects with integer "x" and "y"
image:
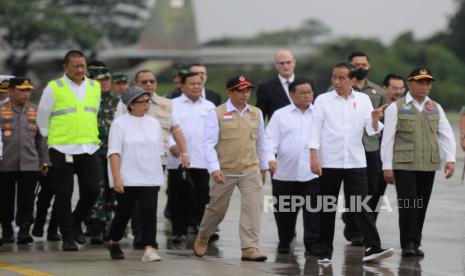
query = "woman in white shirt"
{"x": 135, "y": 147}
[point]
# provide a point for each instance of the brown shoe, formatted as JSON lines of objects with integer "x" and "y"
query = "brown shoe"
{"x": 253, "y": 254}
{"x": 200, "y": 245}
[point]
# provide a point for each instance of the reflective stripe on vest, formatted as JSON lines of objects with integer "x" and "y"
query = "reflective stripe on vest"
{"x": 73, "y": 121}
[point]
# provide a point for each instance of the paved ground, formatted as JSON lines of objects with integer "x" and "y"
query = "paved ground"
{"x": 443, "y": 243}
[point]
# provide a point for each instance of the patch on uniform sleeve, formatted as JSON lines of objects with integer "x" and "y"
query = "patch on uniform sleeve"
{"x": 7, "y": 133}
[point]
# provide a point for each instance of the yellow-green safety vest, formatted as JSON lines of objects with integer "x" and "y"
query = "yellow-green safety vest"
{"x": 73, "y": 121}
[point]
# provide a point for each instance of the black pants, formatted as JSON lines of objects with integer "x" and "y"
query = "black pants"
{"x": 355, "y": 183}
{"x": 86, "y": 166}
{"x": 189, "y": 195}
{"x": 44, "y": 199}
{"x": 26, "y": 182}
{"x": 147, "y": 199}
{"x": 375, "y": 189}
{"x": 413, "y": 194}
{"x": 286, "y": 221}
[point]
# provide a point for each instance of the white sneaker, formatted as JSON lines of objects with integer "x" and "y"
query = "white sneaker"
{"x": 151, "y": 255}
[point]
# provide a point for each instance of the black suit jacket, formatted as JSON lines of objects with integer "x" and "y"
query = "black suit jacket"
{"x": 211, "y": 95}
{"x": 271, "y": 96}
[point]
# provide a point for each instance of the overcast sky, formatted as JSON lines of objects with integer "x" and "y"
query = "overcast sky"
{"x": 366, "y": 18}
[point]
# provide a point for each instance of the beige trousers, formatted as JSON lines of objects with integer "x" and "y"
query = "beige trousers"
{"x": 251, "y": 187}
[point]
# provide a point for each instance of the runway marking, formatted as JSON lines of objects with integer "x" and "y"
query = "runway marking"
{"x": 23, "y": 271}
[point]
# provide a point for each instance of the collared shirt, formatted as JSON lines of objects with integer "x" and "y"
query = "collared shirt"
{"x": 24, "y": 148}
{"x": 212, "y": 130}
{"x": 191, "y": 115}
{"x": 46, "y": 104}
{"x": 337, "y": 129}
{"x": 446, "y": 137}
{"x": 287, "y": 138}
{"x": 285, "y": 83}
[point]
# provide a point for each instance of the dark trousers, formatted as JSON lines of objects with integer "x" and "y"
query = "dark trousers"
{"x": 355, "y": 183}
{"x": 286, "y": 221}
{"x": 44, "y": 199}
{"x": 374, "y": 175}
{"x": 189, "y": 194}
{"x": 86, "y": 166}
{"x": 413, "y": 194}
{"x": 26, "y": 182}
{"x": 147, "y": 199}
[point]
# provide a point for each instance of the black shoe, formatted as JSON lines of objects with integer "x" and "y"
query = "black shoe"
{"x": 96, "y": 230}
{"x": 38, "y": 230}
{"x": 357, "y": 240}
{"x": 24, "y": 237}
{"x": 377, "y": 254}
{"x": 8, "y": 235}
{"x": 284, "y": 248}
{"x": 178, "y": 239}
{"x": 53, "y": 236}
{"x": 419, "y": 252}
{"x": 409, "y": 250}
{"x": 324, "y": 259}
{"x": 214, "y": 237}
{"x": 70, "y": 246}
{"x": 115, "y": 252}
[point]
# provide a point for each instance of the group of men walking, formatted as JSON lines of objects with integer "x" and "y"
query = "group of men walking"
{"x": 310, "y": 148}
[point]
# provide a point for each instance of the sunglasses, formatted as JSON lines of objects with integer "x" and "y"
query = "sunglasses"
{"x": 148, "y": 81}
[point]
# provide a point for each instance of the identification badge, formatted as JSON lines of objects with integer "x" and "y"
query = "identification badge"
{"x": 68, "y": 158}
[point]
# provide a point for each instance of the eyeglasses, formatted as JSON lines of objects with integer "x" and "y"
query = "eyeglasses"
{"x": 142, "y": 102}
{"x": 147, "y": 81}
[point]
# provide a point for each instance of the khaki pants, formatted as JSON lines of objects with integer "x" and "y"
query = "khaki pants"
{"x": 251, "y": 187}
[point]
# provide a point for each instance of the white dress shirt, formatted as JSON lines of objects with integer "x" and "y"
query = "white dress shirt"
{"x": 44, "y": 110}
{"x": 212, "y": 131}
{"x": 191, "y": 116}
{"x": 285, "y": 83}
{"x": 139, "y": 143}
{"x": 337, "y": 129}
{"x": 446, "y": 137}
{"x": 287, "y": 137}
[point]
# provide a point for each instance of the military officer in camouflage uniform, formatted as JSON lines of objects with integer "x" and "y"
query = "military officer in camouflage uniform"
{"x": 119, "y": 83}
{"x": 102, "y": 211}
{"x": 24, "y": 157}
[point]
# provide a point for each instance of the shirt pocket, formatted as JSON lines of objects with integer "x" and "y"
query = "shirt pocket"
{"x": 406, "y": 123}
{"x": 404, "y": 153}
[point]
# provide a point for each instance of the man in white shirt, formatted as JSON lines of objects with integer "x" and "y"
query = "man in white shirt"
{"x": 189, "y": 186}
{"x": 337, "y": 154}
{"x": 288, "y": 153}
{"x": 67, "y": 116}
{"x": 416, "y": 128}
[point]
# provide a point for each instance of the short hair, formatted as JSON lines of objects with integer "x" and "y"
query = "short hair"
{"x": 299, "y": 81}
{"x": 347, "y": 66}
{"x": 72, "y": 54}
{"x": 185, "y": 76}
{"x": 392, "y": 76}
{"x": 136, "y": 77}
{"x": 357, "y": 54}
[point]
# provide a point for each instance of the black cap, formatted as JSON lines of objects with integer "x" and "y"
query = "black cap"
{"x": 421, "y": 73}
{"x": 20, "y": 83}
{"x": 238, "y": 82}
